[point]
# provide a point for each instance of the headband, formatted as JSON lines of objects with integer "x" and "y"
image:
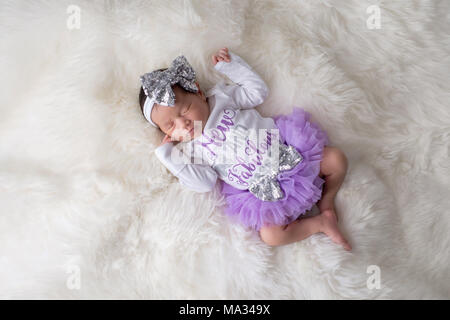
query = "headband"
{"x": 158, "y": 84}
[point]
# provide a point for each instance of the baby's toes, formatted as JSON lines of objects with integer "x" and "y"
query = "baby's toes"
{"x": 346, "y": 245}
{"x": 339, "y": 239}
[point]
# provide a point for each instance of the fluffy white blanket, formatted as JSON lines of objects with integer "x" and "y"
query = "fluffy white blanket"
{"x": 88, "y": 212}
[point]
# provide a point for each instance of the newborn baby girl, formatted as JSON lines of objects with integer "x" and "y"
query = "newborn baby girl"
{"x": 272, "y": 170}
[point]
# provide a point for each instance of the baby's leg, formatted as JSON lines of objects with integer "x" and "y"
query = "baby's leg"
{"x": 303, "y": 228}
{"x": 333, "y": 169}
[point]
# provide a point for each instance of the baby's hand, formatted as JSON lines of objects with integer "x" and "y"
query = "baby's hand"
{"x": 167, "y": 139}
{"x": 222, "y": 55}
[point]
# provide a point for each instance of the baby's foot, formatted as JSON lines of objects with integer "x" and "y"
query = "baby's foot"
{"x": 330, "y": 228}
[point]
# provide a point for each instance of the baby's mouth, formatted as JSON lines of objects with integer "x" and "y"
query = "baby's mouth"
{"x": 186, "y": 135}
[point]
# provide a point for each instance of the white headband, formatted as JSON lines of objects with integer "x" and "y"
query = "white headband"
{"x": 148, "y": 106}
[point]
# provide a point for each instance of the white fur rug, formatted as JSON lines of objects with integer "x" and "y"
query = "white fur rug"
{"x": 88, "y": 212}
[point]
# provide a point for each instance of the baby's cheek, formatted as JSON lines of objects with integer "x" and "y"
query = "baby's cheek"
{"x": 180, "y": 134}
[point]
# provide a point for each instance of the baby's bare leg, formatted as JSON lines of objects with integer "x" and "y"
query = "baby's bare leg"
{"x": 303, "y": 228}
{"x": 293, "y": 232}
{"x": 333, "y": 168}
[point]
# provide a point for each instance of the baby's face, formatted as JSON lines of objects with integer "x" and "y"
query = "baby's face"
{"x": 178, "y": 121}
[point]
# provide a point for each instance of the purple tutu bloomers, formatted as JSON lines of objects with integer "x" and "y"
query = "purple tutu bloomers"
{"x": 302, "y": 185}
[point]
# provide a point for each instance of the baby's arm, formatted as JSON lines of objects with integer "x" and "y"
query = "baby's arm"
{"x": 196, "y": 177}
{"x": 250, "y": 90}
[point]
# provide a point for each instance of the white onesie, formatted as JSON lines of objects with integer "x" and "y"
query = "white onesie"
{"x": 237, "y": 144}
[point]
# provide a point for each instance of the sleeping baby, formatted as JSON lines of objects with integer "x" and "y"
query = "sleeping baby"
{"x": 271, "y": 170}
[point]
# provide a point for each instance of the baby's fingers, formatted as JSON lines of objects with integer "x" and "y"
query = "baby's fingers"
{"x": 223, "y": 51}
{"x": 225, "y": 57}
{"x": 216, "y": 59}
{"x": 165, "y": 140}
{"x": 221, "y": 55}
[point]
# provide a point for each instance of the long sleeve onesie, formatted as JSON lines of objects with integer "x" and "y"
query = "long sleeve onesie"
{"x": 235, "y": 145}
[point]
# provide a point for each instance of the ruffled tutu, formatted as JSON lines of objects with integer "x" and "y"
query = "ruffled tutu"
{"x": 302, "y": 185}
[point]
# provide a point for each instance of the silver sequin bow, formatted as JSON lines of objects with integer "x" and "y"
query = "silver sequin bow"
{"x": 157, "y": 85}
{"x": 266, "y": 187}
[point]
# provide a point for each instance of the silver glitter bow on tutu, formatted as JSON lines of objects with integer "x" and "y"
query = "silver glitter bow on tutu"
{"x": 266, "y": 187}
{"x": 158, "y": 84}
